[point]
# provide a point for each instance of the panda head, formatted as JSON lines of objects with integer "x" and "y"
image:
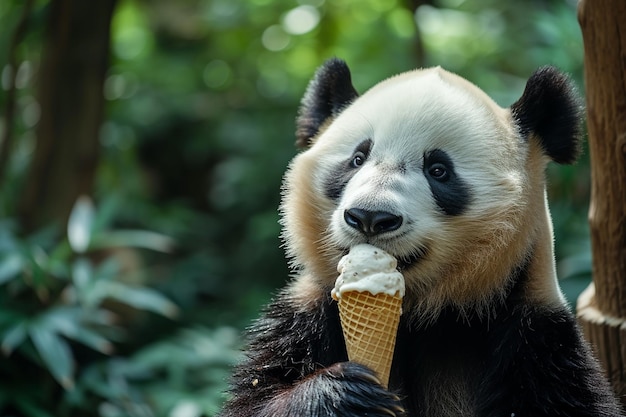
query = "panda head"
{"x": 427, "y": 167}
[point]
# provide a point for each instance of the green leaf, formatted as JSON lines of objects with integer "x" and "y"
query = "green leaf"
{"x": 87, "y": 280}
{"x": 92, "y": 339}
{"x": 140, "y": 298}
{"x": 70, "y": 323}
{"x": 108, "y": 270}
{"x": 80, "y": 224}
{"x": 14, "y": 337}
{"x": 134, "y": 238}
{"x": 100, "y": 317}
{"x": 54, "y": 352}
{"x": 10, "y": 267}
{"x": 82, "y": 274}
{"x": 7, "y": 235}
{"x": 37, "y": 261}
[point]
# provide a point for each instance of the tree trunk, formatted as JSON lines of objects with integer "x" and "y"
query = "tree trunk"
{"x": 602, "y": 307}
{"x": 71, "y": 77}
{"x": 6, "y": 143}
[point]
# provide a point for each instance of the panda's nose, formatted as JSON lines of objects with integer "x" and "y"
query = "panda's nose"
{"x": 372, "y": 223}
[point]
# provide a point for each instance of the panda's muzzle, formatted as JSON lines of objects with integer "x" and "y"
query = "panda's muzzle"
{"x": 372, "y": 223}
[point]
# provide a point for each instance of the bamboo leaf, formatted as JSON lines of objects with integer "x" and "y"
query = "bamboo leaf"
{"x": 82, "y": 273}
{"x": 92, "y": 339}
{"x": 140, "y": 298}
{"x": 135, "y": 238}
{"x": 36, "y": 259}
{"x": 55, "y": 354}
{"x": 108, "y": 270}
{"x": 10, "y": 266}
{"x": 80, "y": 224}
{"x": 69, "y": 323}
{"x": 14, "y": 337}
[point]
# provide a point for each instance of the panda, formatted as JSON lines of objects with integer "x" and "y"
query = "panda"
{"x": 428, "y": 168}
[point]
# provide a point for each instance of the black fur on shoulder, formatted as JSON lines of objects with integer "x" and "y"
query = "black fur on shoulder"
{"x": 328, "y": 93}
{"x": 548, "y": 366}
{"x": 551, "y": 109}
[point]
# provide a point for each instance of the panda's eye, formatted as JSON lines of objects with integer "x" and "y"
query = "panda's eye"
{"x": 438, "y": 171}
{"x": 357, "y": 160}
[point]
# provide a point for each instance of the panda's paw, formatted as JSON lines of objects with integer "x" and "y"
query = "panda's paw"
{"x": 361, "y": 392}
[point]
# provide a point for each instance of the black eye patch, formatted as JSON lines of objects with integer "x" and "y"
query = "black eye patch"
{"x": 451, "y": 193}
{"x": 337, "y": 179}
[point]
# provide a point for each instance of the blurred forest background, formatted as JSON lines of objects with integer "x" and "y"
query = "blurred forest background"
{"x": 141, "y": 152}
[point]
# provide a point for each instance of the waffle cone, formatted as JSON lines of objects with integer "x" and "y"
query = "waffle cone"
{"x": 370, "y": 323}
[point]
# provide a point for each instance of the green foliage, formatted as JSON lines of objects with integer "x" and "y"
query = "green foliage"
{"x": 132, "y": 311}
{"x": 179, "y": 373}
{"x": 62, "y": 295}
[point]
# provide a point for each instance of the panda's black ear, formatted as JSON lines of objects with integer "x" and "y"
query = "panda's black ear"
{"x": 550, "y": 109}
{"x": 328, "y": 93}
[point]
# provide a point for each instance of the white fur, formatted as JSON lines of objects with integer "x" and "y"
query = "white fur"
{"x": 471, "y": 255}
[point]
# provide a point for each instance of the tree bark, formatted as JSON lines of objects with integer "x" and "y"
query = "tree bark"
{"x": 71, "y": 77}
{"x": 602, "y": 307}
{"x": 6, "y": 143}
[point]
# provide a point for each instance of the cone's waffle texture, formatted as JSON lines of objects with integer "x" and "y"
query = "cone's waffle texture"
{"x": 370, "y": 323}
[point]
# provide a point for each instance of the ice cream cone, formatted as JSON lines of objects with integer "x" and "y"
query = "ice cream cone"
{"x": 370, "y": 323}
